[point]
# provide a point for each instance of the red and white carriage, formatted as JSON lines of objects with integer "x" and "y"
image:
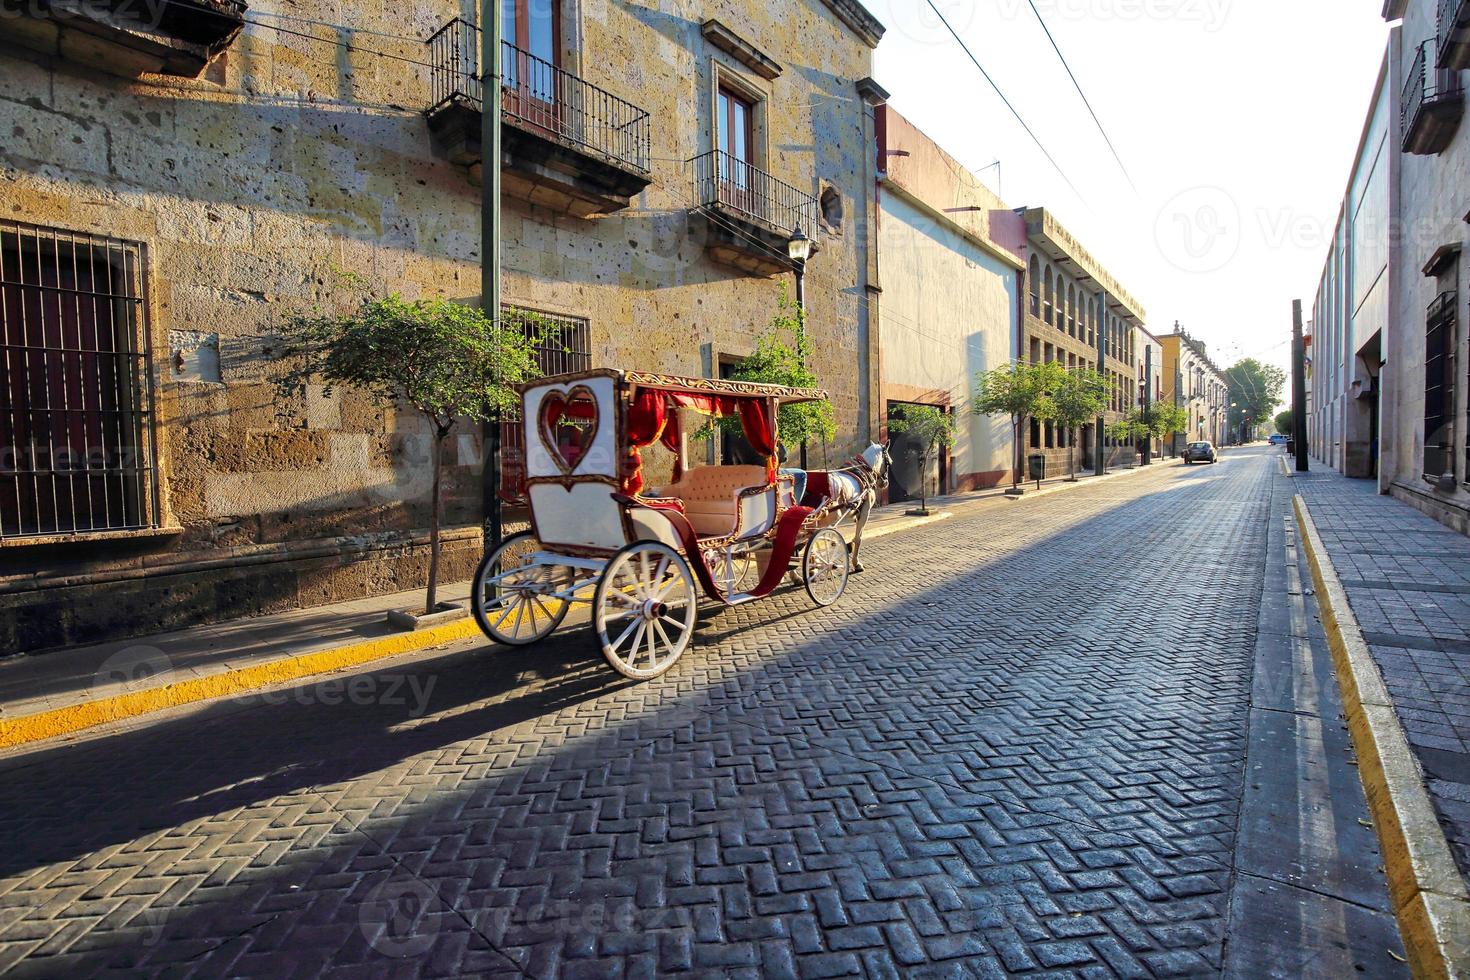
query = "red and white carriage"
{"x": 637, "y": 554}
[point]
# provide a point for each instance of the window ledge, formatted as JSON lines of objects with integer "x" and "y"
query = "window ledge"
{"x": 91, "y": 537}
{"x": 741, "y": 50}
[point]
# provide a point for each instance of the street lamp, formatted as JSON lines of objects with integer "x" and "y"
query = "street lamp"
{"x": 799, "y": 249}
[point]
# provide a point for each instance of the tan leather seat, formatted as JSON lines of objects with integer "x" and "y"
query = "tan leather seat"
{"x": 709, "y": 495}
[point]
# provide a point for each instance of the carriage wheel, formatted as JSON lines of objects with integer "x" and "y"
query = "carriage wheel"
{"x": 507, "y": 595}
{"x": 824, "y": 566}
{"x": 644, "y": 609}
{"x": 744, "y": 568}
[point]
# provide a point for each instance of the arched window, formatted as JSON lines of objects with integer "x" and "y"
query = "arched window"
{"x": 831, "y": 205}
{"x": 1061, "y": 304}
{"x": 1071, "y": 311}
{"x": 1035, "y": 276}
{"x": 1050, "y": 297}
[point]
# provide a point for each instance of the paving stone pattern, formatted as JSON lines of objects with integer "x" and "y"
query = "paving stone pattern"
{"x": 1015, "y": 746}
{"x": 1408, "y": 581}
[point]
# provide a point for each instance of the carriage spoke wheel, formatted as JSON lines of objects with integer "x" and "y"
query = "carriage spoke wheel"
{"x": 824, "y": 566}
{"x": 735, "y": 575}
{"x": 510, "y": 597}
{"x": 644, "y": 609}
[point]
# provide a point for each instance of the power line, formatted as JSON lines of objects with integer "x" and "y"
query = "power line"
{"x": 1085, "y": 101}
{"x": 976, "y": 61}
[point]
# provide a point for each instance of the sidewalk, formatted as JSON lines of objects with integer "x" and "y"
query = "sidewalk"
{"x": 1407, "y": 580}
{"x": 63, "y": 692}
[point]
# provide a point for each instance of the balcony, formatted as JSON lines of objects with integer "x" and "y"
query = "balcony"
{"x": 1454, "y": 34}
{"x": 125, "y": 37}
{"x": 746, "y": 216}
{"x": 1432, "y": 105}
{"x": 566, "y": 144}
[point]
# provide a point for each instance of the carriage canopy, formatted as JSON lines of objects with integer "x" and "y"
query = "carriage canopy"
{"x": 585, "y": 422}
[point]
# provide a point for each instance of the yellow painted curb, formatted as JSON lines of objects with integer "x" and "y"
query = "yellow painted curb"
{"x": 1424, "y": 884}
{"x": 101, "y": 711}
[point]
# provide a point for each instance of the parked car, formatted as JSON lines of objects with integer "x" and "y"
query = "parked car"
{"x": 1199, "y": 452}
{"x": 1277, "y": 439}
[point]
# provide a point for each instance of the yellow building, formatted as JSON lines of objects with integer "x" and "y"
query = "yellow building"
{"x": 1193, "y": 382}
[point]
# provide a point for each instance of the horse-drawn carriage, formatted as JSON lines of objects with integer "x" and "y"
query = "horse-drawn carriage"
{"x": 635, "y": 553}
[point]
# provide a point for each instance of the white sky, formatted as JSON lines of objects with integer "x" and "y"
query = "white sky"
{"x": 1238, "y": 120}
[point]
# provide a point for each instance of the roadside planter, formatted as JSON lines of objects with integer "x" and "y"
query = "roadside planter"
{"x": 444, "y": 612}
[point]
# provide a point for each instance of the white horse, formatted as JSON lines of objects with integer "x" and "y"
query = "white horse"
{"x": 855, "y": 489}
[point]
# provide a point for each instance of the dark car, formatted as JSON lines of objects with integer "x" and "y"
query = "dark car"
{"x": 1199, "y": 452}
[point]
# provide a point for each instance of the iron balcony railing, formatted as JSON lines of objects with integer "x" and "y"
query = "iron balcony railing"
{"x": 1452, "y": 22}
{"x": 733, "y": 184}
{"x": 538, "y": 96}
{"x": 1426, "y": 84}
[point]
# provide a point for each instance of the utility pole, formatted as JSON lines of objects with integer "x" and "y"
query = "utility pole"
{"x": 490, "y": 74}
{"x": 1148, "y": 394}
{"x": 1298, "y": 388}
{"x": 1100, "y": 462}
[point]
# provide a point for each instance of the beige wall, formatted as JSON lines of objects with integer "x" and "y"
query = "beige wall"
{"x": 297, "y": 175}
{"x": 950, "y": 296}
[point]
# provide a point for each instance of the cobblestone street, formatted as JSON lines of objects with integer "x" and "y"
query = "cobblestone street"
{"x": 1019, "y": 743}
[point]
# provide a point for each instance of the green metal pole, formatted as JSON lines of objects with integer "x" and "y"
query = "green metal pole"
{"x": 1148, "y": 395}
{"x": 1298, "y": 388}
{"x": 1100, "y": 451}
{"x": 490, "y": 74}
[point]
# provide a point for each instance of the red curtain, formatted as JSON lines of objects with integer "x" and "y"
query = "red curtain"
{"x": 672, "y": 443}
{"x": 758, "y": 422}
{"x": 652, "y": 418}
{"x": 647, "y": 417}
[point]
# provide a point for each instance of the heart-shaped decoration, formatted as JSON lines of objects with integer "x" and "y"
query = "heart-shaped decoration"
{"x": 568, "y": 426}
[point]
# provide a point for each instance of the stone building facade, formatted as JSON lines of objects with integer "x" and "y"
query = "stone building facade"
{"x": 1424, "y": 416}
{"x": 1074, "y": 305}
{"x": 951, "y": 258}
{"x": 171, "y": 190}
{"x": 1148, "y": 366}
{"x": 1350, "y": 311}
{"x": 1193, "y": 382}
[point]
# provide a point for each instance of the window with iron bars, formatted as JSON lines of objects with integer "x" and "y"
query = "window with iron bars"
{"x": 77, "y": 451}
{"x": 1439, "y": 386}
{"x": 563, "y": 345}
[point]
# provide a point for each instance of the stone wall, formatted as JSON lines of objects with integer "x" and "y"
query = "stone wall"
{"x": 297, "y": 175}
{"x": 1430, "y": 207}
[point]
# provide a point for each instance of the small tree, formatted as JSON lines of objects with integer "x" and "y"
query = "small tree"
{"x": 1021, "y": 391}
{"x": 779, "y": 358}
{"x": 1157, "y": 421}
{"x": 1079, "y": 397}
{"x": 445, "y": 360}
{"x": 933, "y": 429}
{"x": 1128, "y": 429}
{"x": 1283, "y": 422}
